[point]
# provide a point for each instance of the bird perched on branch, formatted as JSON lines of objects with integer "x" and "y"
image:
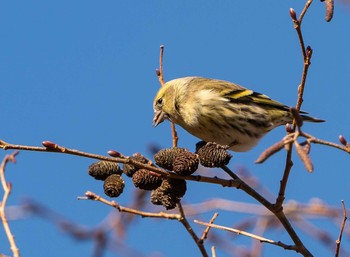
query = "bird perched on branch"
{"x": 220, "y": 111}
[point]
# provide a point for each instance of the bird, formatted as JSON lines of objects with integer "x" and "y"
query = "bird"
{"x": 219, "y": 111}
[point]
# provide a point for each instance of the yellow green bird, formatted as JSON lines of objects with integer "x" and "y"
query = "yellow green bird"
{"x": 220, "y": 111}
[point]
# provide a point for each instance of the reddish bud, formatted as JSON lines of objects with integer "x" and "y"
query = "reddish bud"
{"x": 114, "y": 153}
{"x": 308, "y": 51}
{"x": 343, "y": 141}
{"x": 49, "y": 144}
{"x": 292, "y": 14}
{"x": 90, "y": 195}
{"x": 289, "y": 128}
{"x": 9, "y": 185}
{"x": 158, "y": 72}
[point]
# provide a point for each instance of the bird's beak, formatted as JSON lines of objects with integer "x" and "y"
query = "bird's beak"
{"x": 159, "y": 117}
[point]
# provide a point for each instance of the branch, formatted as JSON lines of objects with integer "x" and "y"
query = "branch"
{"x": 7, "y": 190}
{"x": 206, "y": 231}
{"x": 180, "y": 217}
{"x": 307, "y": 53}
{"x": 241, "y": 232}
{"x": 92, "y": 196}
{"x": 338, "y": 242}
{"x": 275, "y": 209}
{"x": 297, "y": 25}
{"x": 52, "y": 147}
{"x": 159, "y": 72}
{"x": 213, "y": 253}
{"x": 160, "y": 75}
{"x": 189, "y": 229}
{"x": 315, "y": 140}
{"x": 292, "y": 138}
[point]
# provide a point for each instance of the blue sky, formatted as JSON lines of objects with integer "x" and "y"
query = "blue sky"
{"x": 82, "y": 74}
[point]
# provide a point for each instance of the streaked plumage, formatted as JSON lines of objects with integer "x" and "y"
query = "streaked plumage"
{"x": 220, "y": 111}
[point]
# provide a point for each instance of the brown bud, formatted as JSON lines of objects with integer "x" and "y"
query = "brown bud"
{"x": 289, "y": 128}
{"x": 114, "y": 153}
{"x": 49, "y": 144}
{"x": 113, "y": 185}
{"x": 212, "y": 155}
{"x": 308, "y": 51}
{"x": 293, "y": 14}
{"x": 103, "y": 169}
{"x": 157, "y": 72}
{"x": 185, "y": 163}
{"x": 130, "y": 169}
{"x": 143, "y": 179}
{"x": 343, "y": 141}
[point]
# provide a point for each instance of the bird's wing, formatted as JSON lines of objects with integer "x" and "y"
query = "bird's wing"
{"x": 238, "y": 94}
{"x": 249, "y": 96}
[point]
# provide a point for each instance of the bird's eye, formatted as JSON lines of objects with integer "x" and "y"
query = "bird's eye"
{"x": 160, "y": 101}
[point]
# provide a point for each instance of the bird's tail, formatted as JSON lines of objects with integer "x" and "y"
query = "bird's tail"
{"x": 310, "y": 119}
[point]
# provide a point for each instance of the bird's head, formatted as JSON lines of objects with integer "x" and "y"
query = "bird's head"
{"x": 164, "y": 104}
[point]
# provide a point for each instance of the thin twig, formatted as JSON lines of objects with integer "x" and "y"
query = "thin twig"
{"x": 292, "y": 137}
{"x": 301, "y": 88}
{"x": 323, "y": 142}
{"x": 174, "y": 134}
{"x": 248, "y": 189}
{"x": 261, "y": 225}
{"x": 303, "y": 12}
{"x": 307, "y": 53}
{"x": 189, "y": 229}
{"x": 180, "y": 217}
{"x": 206, "y": 231}
{"x": 7, "y": 190}
{"x": 244, "y": 233}
{"x": 338, "y": 242}
{"x": 289, "y": 139}
{"x": 297, "y": 25}
{"x": 92, "y": 196}
{"x": 213, "y": 252}
{"x": 126, "y": 160}
{"x": 283, "y": 183}
{"x": 160, "y": 74}
{"x": 312, "y": 139}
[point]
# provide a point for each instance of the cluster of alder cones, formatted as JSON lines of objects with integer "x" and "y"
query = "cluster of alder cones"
{"x": 166, "y": 192}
